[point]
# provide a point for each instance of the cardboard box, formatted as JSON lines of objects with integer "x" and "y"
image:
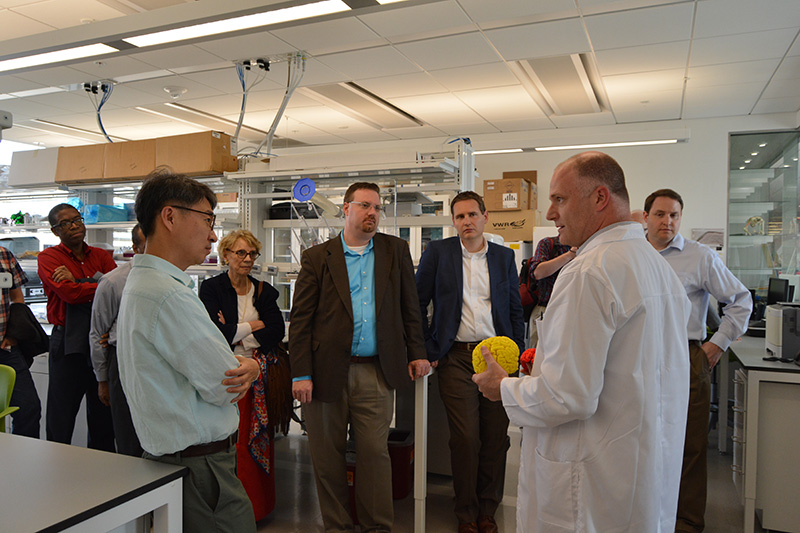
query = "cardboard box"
{"x": 33, "y": 168}
{"x": 227, "y": 197}
{"x": 129, "y": 160}
{"x": 79, "y": 164}
{"x": 507, "y": 194}
{"x": 197, "y": 154}
{"x": 529, "y": 175}
{"x": 513, "y": 225}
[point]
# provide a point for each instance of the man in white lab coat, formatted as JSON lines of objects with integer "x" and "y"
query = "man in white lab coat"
{"x": 604, "y": 410}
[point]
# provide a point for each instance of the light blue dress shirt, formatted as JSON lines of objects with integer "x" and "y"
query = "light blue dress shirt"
{"x": 361, "y": 273}
{"x": 172, "y": 360}
{"x": 702, "y": 272}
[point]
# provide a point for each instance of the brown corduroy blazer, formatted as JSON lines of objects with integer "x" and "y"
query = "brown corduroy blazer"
{"x": 321, "y": 327}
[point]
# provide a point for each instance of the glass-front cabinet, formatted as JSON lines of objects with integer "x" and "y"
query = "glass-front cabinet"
{"x": 763, "y": 209}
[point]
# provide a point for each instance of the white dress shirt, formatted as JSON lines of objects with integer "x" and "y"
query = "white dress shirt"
{"x": 476, "y": 308}
{"x": 603, "y": 414}
{"x": 702, "y": 272}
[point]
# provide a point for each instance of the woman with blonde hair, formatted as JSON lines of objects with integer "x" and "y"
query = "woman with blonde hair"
{"x": 246, "y": 311}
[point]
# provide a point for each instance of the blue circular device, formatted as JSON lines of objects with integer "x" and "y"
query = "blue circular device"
{"x": 304, "y": 189}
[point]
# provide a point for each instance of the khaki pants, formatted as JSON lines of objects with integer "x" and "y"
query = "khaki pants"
{"x": 367, "y": 404}
{"x": 213, "y": 497}
{"x": 694, "y": 474}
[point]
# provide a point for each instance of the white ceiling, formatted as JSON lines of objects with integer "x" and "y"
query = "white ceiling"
{"x": 447, "y": 62}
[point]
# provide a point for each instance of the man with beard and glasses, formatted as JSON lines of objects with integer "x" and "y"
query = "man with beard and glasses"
{"x": 355, "y": 334}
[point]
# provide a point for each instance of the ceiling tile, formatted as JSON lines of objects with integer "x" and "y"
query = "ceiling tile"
{"x": 227, "y": 81}
{"x": 727, "y": 17}
{"x": 501, "y": 103}
{"x": 272, "y": 99}
{"x": 154, "y": 130}
{"x": 637, "y": 27}
{"x": 475, "y": 77}
{"x": 252, "y": 45}
{"x": 69, "y": 102}
{"x": 156, "y": 87}
{"x": 178, "y": 56}
{"x": 728, "y": 100}
{"x": 60, "y": 14}
{"x": 24, "y": 108}
{"x": 511, "y": 10}
{"x": 468, "y": 128}
{"x": 662, "y": 105}
{"x": 778, "y": 105}
{"x": 451, "y": 51}
{"x": 660, "y": 56}
{"x": 328, "y": 120}
{"x": 647, "y": 96}
{"x": 366, "y": 136}
{"x": 10, "y": 84}
{"x": 112, "y": 67}
{"x": 370, "y": 63}
{"x": 420, "y": 132}
{"x": 438, "y": 109}
{"x": 742, "y": 47}
{"x": 226, "y": 105}
{"x": 54, "y": 76}
{"x": 15, "y": 25}
{"x": 753, "y": 71}
{"x": 584, "y": 120}
{"x": 404, "y": 22}
{"x": 330, "y": 36}
{"x": 789, "y": 69}
{"x": 126, "y": 96}
{"x": 316, "y": 74}
{"x": 781, "y": 89}
{"x": 417, "y": 83}
{"x": 544, "y": 39}
{"x": 523, "y": 125}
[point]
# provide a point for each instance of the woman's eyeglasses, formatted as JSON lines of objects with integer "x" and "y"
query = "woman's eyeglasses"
{"x": 241, "y": 254}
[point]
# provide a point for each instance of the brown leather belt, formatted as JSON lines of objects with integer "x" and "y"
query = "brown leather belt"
{"x": 466, "y": 346}
{"x": 358, "y": 359}
{"x": 208, "y": 448}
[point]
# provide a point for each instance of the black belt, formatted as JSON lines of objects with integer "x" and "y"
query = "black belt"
{"x": 208, "y": 448}
{"x": 696, "y": 343}
{"x": 364, "y": 359}
{"x": 467, "y": 346}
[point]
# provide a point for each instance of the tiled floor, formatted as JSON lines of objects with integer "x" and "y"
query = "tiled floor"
{"x": 297, "y": 509}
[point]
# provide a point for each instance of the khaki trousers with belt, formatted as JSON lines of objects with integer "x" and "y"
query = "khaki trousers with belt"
{"x": 694, "y": 473}
{"x": 367, "y": 404}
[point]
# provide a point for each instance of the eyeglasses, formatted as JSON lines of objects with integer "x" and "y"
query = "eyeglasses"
{"x": 241, "y": 254}
{"x": 211, "y": 216}
{"x": 366, "y": 206}
{"x": 65, "y": 224}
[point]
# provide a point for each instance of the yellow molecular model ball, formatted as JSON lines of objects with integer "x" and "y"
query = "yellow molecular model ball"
{"x": 504, "y": 350}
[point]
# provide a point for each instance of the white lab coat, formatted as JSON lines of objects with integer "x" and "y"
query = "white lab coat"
{"x": 603, "y": 415}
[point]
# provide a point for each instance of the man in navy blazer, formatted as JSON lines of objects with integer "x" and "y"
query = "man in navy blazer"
{"x": 474, "y": 288}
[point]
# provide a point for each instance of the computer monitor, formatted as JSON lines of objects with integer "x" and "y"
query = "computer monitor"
{"x": 777, "y": 291}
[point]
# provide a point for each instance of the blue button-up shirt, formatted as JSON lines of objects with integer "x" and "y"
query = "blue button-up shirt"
{"x": 361, "y": 273}
{"x": 172, "y": 360}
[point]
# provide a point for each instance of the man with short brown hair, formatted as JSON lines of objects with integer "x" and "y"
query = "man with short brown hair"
{"x": 355, "y": 334}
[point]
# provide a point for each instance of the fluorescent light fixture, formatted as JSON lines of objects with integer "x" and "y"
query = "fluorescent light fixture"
{"x": 754, "y": 153}
{"x": 326, "y": 7}
{"x": 381, "y": 2}
{"x": 170, "y": 117}
{"x": 38, "y": 92}
{"x": 747, "y": 161}
{"x": 741, "y": 168}
{"x": 503, "y": 151}
{"x": 604, "y": 145}
{"x": 56, "y": 56}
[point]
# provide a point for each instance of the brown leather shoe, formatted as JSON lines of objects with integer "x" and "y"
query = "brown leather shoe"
{"x": 486, "y": 524}
{"x": 468, "y": 527}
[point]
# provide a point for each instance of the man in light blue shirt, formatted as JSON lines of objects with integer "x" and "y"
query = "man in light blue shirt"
{"x": 174, "y": 362}
{"x": 355, "y": 334}
{"x": 702, "y": 273}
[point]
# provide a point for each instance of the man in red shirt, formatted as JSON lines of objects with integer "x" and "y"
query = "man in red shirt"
{"x": 69, "y": 274}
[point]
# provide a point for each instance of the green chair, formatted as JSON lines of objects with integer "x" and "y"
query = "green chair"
{"x": 7, "y": 379}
